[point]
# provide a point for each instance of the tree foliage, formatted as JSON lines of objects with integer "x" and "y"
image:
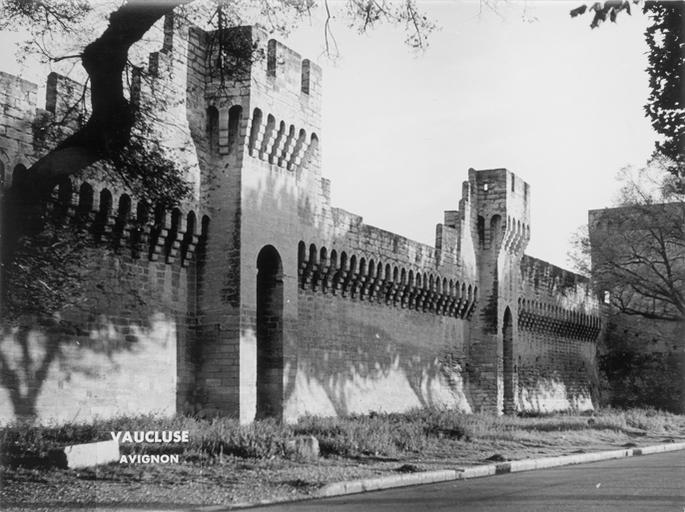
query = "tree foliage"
{"x": 665, "y": 38}
{"x": 666, "y": 103}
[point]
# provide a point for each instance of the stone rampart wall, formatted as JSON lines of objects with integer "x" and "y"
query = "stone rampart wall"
{"x": 369, "y": 320}
{"x": 124, "y": 343}
{"x": 558, "y": 324}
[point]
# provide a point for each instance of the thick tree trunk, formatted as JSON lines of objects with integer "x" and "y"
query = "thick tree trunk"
{"x": 109, "y": 128}
{"x": 105, "y": 134}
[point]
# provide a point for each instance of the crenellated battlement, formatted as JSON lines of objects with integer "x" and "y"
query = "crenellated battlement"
{"x": 501, "y": 204}
{"x": 248, "y": 53}
{"x": 65, "y": 97}
{"x": 153, "y": 233}
{"x": 19, "y": 96}
{"x": 23, "y": 118}
{"x": 545, "y": 277}
{"x": 285, "y": 68}
{"x": 62, "y": 95}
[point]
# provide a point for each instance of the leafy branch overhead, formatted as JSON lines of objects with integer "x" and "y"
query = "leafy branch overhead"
{"x": 665, "y": 38}
{"x": 601, "y": 11}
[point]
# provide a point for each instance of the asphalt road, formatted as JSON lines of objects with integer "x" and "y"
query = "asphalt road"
{"x": 640, "y": 484}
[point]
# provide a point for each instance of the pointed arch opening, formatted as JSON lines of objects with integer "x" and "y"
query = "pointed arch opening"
{"x": 85, "y": 203}
{"x": 213, "y": 129}
{"x": 254, "y": 130}
{"x": 269, "y": 334}
{"x": 508, "y": 362}
{"x": 235, "y": 114}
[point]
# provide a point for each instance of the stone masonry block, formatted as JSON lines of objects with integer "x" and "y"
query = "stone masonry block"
{"x": 86, "y": 455}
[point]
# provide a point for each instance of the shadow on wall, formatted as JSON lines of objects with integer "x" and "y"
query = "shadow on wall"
{"x": 93, "y": 308}
{"x": 344, "y": 355}
{"x": 356, "y": 358}
{"x": 360, "y": 363}
{"x": 56, "y": 371}
{"x": 365, "y": 367}
{"x": 553, "y": 393}
{"x": 639, "y": 368}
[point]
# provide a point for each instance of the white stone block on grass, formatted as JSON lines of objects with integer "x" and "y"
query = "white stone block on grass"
{"x": 302, "y": 447}
{"x": 86, "y": 455}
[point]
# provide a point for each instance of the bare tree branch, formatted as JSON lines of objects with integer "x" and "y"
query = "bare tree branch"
{"x": 638, "y": 250}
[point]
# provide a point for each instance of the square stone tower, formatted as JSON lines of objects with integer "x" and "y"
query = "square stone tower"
{"x": 257, "y": 113}
{"x": 501, "y": 224}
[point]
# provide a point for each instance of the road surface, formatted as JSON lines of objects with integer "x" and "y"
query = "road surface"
{"x": 640, "y": 484}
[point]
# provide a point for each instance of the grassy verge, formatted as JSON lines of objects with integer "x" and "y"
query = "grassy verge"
{"x": 377, "y": 434}
{"x": 226, "y": 463}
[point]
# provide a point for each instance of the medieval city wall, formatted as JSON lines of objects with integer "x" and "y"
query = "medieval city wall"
{"x": 355, "y": 318}
{"x": 357, "y": 357}
{"x": 352, "y": 293}
{"x": 353, "y": 282}
{"x": 383, "y": 322}
{"x": 558, "y": 326}
{"x": 217, "y": 144}
{"x": 124, "y": 345}
{"x": 373, "y": 280}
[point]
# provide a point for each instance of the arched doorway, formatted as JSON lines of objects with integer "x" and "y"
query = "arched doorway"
{"x": 508, "y": 362}
{"x": 269, "y": 334}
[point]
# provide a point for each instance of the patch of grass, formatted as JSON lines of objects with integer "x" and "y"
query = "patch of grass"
{"x": 649, "y": 420}
{"x": 373, "y": 435}
{"x": 220, "y": 436}
{"x": 362, "y": 435}
{"x": 384, "y": 434}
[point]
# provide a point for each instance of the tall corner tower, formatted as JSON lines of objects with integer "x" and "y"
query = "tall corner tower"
{"x": 256, "y": 109}
{"x": 501, "y": 231}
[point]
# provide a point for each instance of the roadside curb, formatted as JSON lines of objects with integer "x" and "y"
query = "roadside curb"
{"x": 446, "y": 475}
{"x": 429, "y": 477}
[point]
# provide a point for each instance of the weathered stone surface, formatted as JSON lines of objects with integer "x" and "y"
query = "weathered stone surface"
{"x": 302, "y": 447}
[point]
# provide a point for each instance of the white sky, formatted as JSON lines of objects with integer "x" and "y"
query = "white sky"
{"x": 526, "y": 88}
